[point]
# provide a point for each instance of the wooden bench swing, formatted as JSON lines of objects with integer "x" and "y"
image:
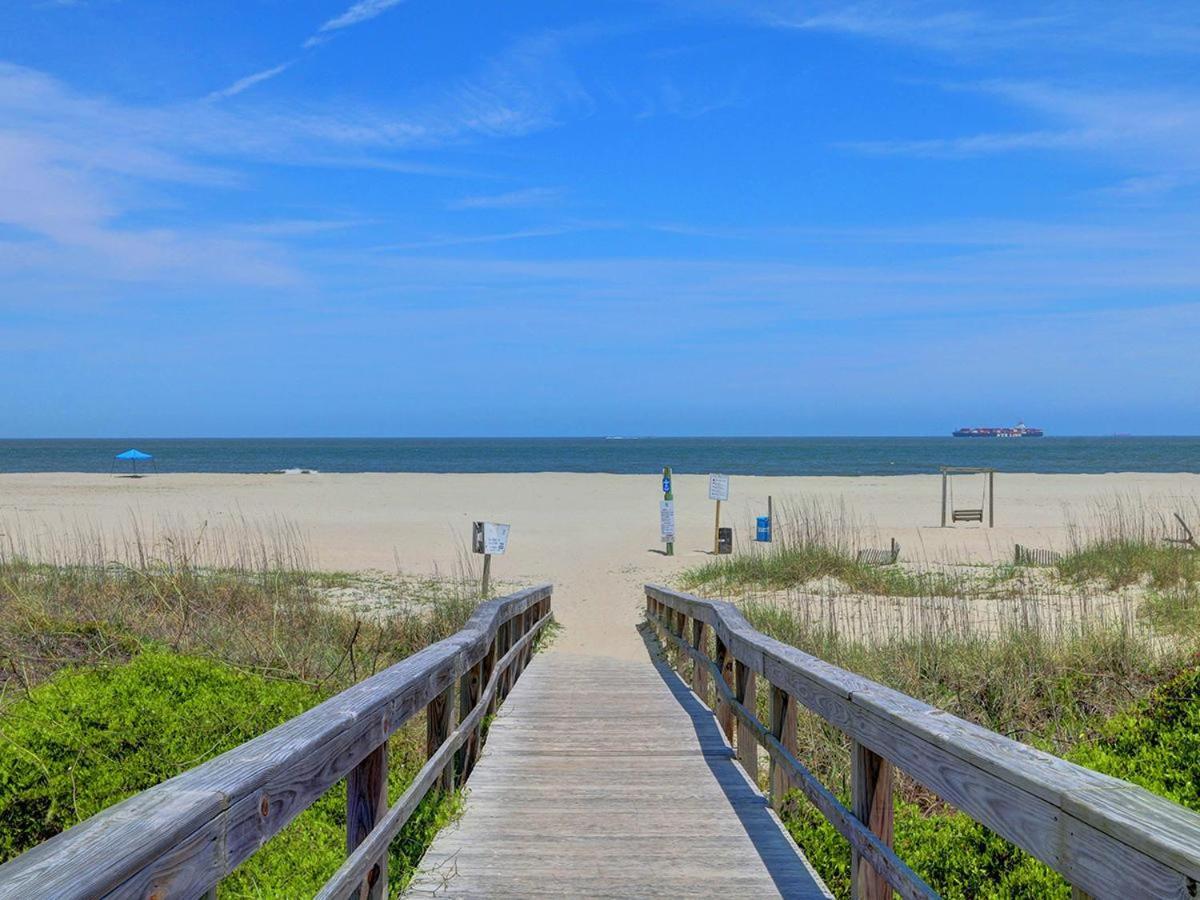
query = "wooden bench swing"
{"x": 973, "y": 513}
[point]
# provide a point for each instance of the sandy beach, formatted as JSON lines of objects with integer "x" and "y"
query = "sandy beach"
{"x": 594, "y": 536}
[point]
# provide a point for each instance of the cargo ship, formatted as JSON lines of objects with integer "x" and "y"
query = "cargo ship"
{"x": 1020, "y": 430}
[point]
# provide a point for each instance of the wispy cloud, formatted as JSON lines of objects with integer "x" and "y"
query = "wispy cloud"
{"x": 359, "y": 12}
{"x": 954, "y": 27}
{"x": 537, "y": 196}
{"x": 251, "y": 80}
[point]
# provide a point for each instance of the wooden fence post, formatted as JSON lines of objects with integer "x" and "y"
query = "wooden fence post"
{"x": 783, "y": 726}
{"x": 438, "y": 716}
{"x": 366, "y": 802}
{"x": 699, "y": 670}
{"x": 871, "y": 794}
{"x": 724, "y": 710}
{"x": 470, "y": 686}
{"x": 746, "y": 690}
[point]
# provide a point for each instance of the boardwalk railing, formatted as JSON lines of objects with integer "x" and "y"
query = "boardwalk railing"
{"x": 181, "y": 837}
{"x": 1107, "y": 837}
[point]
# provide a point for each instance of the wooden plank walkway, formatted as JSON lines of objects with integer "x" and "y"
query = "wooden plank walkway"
{"x": 609, "y": 778}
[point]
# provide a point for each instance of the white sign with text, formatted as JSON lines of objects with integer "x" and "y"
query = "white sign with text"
{"x": 666, "y": 521}
{"x": 718, "y": 487}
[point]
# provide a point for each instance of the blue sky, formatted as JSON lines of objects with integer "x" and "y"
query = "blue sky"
{"x": 291, "y": 217}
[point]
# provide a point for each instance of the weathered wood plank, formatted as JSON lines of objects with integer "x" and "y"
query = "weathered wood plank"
{"x": 366, "y": 802}
{"x": 617, "y": 819}
{"x": 724, "y": 662}
{"x": 746, "y": 691}
{"x": 871, "y": 788}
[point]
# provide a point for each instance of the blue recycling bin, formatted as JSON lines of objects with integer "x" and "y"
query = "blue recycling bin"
{"x": 763, "y": 530}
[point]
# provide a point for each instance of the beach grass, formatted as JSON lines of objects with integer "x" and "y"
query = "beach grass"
{"x": 1074, "y": 658}
{"x": 126, "y": 661}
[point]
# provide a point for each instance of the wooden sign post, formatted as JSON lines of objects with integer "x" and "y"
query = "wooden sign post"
{"x": 718, "y": 489}
{"x": 488, "y": 538}
{"x": 667, "y": 513}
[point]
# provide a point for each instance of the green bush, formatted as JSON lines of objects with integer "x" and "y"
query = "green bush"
{"x": 1156, "y": 744}
{"x": 90, "y": 737}
{"x": 957, "y": 857}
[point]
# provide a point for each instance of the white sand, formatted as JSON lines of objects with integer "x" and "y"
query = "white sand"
{"x": 595, "y": 536}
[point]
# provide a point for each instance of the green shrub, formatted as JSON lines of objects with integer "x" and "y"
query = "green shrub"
{"x": 90, "y": 737}
{"x": 1156, "y": 744}
{"x": 957, "y": 857}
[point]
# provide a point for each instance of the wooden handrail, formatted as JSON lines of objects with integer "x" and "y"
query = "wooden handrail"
{"x": 181, "y": 837}
{"x": 1107, "y": 837}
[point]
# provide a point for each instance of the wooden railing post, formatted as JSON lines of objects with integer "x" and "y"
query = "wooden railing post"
{"x": 745, "y": 688}
{"x": 871, "y": 793}
{"x": 366, "y": 802}
{"x": 469, "y": 688}
{"x": 699, "y": 670}
{"x": 438, "y": 716}
{"x": 783, "y": 727}
{"x": 724, "y": 710}
{"x": 504, "y": 639}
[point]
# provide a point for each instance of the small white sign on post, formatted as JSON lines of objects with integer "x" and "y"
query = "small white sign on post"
{"x": 666, "y": 521}
{"x": 495, "y": 538}
{"x": 718, "y": 487}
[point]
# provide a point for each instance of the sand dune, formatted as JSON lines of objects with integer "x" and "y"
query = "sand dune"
{"x": 594, "y": 535}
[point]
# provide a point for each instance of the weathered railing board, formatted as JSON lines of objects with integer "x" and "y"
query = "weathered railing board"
{"x": 345, "y": 882}
{"x": 1108, "y": 837}
{"x": 181, "y": 836}
{"x": 906, "y": 882}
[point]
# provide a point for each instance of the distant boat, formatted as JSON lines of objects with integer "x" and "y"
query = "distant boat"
{"x": 1020, "y": 430}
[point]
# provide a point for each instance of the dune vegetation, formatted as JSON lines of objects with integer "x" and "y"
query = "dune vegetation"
{"x": 125, "y": 662}
{"x": 1095, "y": 658}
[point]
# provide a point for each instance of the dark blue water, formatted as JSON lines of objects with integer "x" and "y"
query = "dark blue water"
{"x": 739, "y": 456}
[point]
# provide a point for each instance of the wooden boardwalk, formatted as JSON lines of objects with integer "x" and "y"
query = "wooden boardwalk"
{"x": 607, "y": 778}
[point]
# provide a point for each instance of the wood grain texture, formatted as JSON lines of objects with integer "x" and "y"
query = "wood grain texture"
{"x": 699, "y": 669}
{"x": 724, "y": 663}
{"x": 1108, "y": 837}
{"x": 871, "y": 799}
{"x": 607, "y": 778}
{"x": 346, "y": 882}
{"x": 366, "y": 802}
{"x": 746, "y": 692}
{"x": 181, "y": 837}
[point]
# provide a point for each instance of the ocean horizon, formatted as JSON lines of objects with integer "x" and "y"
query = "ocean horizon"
{"x": 615, "y": 454}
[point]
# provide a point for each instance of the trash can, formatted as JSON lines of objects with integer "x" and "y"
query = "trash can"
{"x": 724, "y": 540}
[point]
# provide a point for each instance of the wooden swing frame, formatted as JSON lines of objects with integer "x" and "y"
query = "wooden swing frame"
{"x": 989, "y": 496}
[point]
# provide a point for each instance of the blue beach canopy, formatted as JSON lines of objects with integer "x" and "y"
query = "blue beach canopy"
{"x": 134, "y": 454}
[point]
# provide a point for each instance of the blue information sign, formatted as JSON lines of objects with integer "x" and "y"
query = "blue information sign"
{"x": 666, "y": 484}
{"x": 763, "y": 531}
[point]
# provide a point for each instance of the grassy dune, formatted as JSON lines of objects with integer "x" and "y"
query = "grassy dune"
{"x": 1094, "y": 659}
{"x": 123, "y": 663}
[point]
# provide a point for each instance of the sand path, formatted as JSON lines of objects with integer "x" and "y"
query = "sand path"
{"x": 594, "y": 535}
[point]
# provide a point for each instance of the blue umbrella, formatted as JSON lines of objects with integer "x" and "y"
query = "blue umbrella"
{"x": 133, "y": 456}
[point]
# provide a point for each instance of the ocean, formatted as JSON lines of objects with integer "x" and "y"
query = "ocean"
{"x": 733, "y": 455}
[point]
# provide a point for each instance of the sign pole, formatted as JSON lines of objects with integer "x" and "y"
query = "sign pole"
{"x": 717, "y": 531}
{"x": 668, "y": 496}
{"x": 487, "y": 573}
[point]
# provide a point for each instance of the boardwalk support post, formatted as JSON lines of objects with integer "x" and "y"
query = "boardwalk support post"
{"x": 366, "y": 802}
{"x": 746, "y": 692}
{"x": 699, "y": 671}
{"x": 438, "y": 716}
{"x": 724, "y": 710}
{"x": 783, "y": 728}
{"x": 871, "y": 790}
